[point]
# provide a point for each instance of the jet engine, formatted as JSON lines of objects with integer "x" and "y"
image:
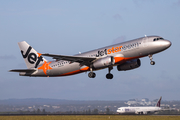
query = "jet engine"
{"x": 103, "y": 62}
{"x": 129, "y": 65}
{"x": 145, "y": 112}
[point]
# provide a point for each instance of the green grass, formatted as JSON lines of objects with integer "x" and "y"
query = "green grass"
{"x": 91, "y": 117}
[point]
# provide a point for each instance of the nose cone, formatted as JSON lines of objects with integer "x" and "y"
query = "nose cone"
{"x": 166, "y": 43}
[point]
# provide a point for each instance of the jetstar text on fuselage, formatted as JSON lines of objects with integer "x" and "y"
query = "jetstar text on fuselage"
{"x": 116, "y": 49}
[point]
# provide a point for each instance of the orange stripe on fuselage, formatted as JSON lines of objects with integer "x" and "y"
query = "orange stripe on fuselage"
{"x": 131, "y": 58}
{"x": 124, "y": 59}
{"x": 76, "y": 71}
{"x": 71, "y": 73}
{"x": 117, "y": 60}
{"x": 85, "y": 69}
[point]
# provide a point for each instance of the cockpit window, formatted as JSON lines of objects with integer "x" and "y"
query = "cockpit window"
{"x": 156, "y": 39}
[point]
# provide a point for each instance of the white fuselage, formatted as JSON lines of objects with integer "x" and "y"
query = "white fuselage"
{"x": 137, "y": 110}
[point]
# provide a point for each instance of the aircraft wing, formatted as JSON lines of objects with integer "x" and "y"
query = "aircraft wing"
{"x": 23, "y": 70}
{"x": 83, "y": 60}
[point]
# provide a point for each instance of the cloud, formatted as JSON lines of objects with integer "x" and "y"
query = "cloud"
{"x": 117, "y": 17}
{"x": 47, "y": 11}
{"x": 119, "y": 39}
{"x": 7, "y": 57}
{"x": 21, "y": 65}
{"x": 177, "y": 3}
{"x": 140, "y": 3}
{"x": 165, "y": 75}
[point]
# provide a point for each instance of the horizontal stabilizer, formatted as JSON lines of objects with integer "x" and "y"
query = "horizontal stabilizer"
{"x": 23, "y": 70}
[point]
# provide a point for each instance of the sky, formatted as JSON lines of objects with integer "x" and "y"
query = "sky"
{"x": 67, "y": 27}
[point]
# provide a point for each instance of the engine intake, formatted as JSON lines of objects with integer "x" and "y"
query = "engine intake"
{"x": 129, "y": 65}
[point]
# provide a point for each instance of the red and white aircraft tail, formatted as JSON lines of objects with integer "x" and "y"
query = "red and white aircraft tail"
{"x": 159, "y": 102}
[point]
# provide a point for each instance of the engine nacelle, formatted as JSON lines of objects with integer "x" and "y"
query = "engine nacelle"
{"x": 103, "y": 62}
{"x": 144, "y": 112}
{"x": 129, "y": 65}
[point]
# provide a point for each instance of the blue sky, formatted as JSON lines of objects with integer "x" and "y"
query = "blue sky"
{"x": 69, "y": 27}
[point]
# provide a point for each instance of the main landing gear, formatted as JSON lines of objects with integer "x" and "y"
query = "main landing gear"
{"x": 109, "y": 75}
{"x": 91, "y": 74}
{"x": 152, "y": 62}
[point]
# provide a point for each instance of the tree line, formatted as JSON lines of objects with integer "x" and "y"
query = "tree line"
{"x": 41, "y": 112}
{"x": 84, "y": 112}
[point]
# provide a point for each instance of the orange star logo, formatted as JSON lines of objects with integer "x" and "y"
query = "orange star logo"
{"x": 39, "y": 54}
{"x": 45, "y": 67}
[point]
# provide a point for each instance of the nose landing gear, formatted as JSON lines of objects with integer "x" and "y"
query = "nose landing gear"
{"x": 109, "y": 76}
{"x": 152, "y": 62}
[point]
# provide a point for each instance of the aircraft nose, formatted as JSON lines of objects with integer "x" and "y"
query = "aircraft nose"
{"x": 167, "y": 43}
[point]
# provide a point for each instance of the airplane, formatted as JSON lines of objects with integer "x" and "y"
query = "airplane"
{"x": 140, "y": 110}
{"x": 124, "y": 55}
